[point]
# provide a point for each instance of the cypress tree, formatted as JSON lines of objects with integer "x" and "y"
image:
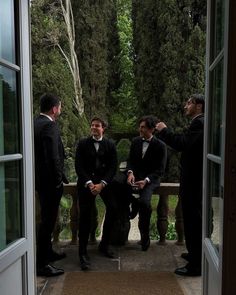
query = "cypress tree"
{"x": 97, "y": 47}
{"x": 148, "y": 67}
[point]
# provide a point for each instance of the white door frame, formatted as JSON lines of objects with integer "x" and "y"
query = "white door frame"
{"x": 219, "y": 266}
{"x": 17, "y": 262}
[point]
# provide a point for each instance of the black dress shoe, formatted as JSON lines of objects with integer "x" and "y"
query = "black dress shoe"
{"x": 84, "y": 262}
{"x": 105, "y": 252}
{"x": 49, "y": 271}
{"x": 188, "y": 271}
{"x": 145, "y": 244}
{"x": 56, "y": 256}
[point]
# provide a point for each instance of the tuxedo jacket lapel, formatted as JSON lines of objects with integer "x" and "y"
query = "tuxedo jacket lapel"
{"x": 101, "y": 148}
{"x": 139, "y": 149}
{"x": 149, "y": 149}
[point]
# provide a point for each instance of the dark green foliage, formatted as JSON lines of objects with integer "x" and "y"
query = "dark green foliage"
{"x": 148, "y": 66}
{"x": 97, "y": 47}
{"x": 123, "y": 113}
{"x": 123, "y": 148}
{"x": 50, "y": 72}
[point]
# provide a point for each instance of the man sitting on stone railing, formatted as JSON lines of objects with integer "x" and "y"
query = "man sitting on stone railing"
{"x": 95, "y": 164}
{"x": 146, "y": 164}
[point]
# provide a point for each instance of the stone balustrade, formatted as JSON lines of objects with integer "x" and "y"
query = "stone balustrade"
{"x": 164, "y": 191}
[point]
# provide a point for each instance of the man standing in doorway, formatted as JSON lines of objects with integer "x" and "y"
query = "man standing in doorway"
{"x": 95, "y": 165}
{"x": 190, "y": 144}
{"x": 49, "y": 178}
{"x": 146, "y": 164}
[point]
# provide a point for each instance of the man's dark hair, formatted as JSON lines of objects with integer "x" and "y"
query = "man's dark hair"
{"x": 48, "y": 101}
{"x": 198, "y": 99}
{"x": 104, "y": 124}
{"x": 150, "y": 121}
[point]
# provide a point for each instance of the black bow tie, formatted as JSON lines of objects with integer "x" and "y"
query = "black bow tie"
{"x": 97, "y": 141}
{"x": 146, "y": 140}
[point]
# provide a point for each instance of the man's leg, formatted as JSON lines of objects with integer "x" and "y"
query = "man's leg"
{"x": 49, "y": 204}
{"x": 109, "y": 220}
{"x": 94, "y": 225}
{"x": 192, "y": 217}
{"x": 145, "y": 211}
{"x": 86, "y": 203}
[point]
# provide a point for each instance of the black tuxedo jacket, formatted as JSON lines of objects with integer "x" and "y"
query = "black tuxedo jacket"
{"x": 95, "y": 165}
{"x": 49, "y": 154}
{"x": 190, "y": 143}
{"x": 152, "y": 165}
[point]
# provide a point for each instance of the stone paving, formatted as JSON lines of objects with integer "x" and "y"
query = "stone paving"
{"x": 129, "y": 258}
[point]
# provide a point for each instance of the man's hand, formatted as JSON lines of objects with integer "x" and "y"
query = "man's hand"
{"x": 160, "y": 126}
{"x": 97, "y": 188}
{"x": 131, "y": 178}
{"x": 141, "y": 183}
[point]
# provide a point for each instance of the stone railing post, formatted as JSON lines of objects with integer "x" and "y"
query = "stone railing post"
{"x": 164, "y": 191}
{"x": 71, "y": 189}
{"x": 162, "y": 218}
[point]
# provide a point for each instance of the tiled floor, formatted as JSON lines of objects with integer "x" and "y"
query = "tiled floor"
{"x": 129, "y": 258}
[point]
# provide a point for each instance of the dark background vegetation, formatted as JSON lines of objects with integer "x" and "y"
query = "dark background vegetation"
{"x": 135, "y": 58}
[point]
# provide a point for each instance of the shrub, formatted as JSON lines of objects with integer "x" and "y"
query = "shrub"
{"x": 123, "y": 147}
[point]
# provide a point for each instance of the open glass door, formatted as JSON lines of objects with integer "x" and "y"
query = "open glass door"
{"x": 213, "y": 181}
{"x": 16, "y": 152}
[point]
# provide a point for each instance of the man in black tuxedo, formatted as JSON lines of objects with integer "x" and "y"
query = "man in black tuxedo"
{"x": 190, "y": 143}
{"x": 95, "y": 164}
{"x": 146, "y": 164}
{"x": 49, "y": 178}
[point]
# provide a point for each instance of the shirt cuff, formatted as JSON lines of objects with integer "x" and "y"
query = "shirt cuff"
{"x": 104, "y": 182}
{"x": 88, "y": 182}
{"x": 147, "y": 179}
{"x": 129, "y": 171}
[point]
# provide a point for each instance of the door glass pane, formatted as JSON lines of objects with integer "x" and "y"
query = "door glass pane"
{"x": 7, "y": 31}
{"x": 9, "y": 113}
{"x": 218, "y": 28}
{"x": 215, "y": 109}
{"x": 214, "y": 198}
{"x": 10, "y": 203}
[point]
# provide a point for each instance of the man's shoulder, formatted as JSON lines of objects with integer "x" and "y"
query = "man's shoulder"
{"x": 84, "y": 140}
{"x": 197, "y": 122}
{"x": 109, "y": 142}
{"x": 43, "y": 123}
{"x": 200, "y": 117}
{"x": 136, "y": 139}
{"x": 42, "y": 118}
{"x": 158, "y": 142}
